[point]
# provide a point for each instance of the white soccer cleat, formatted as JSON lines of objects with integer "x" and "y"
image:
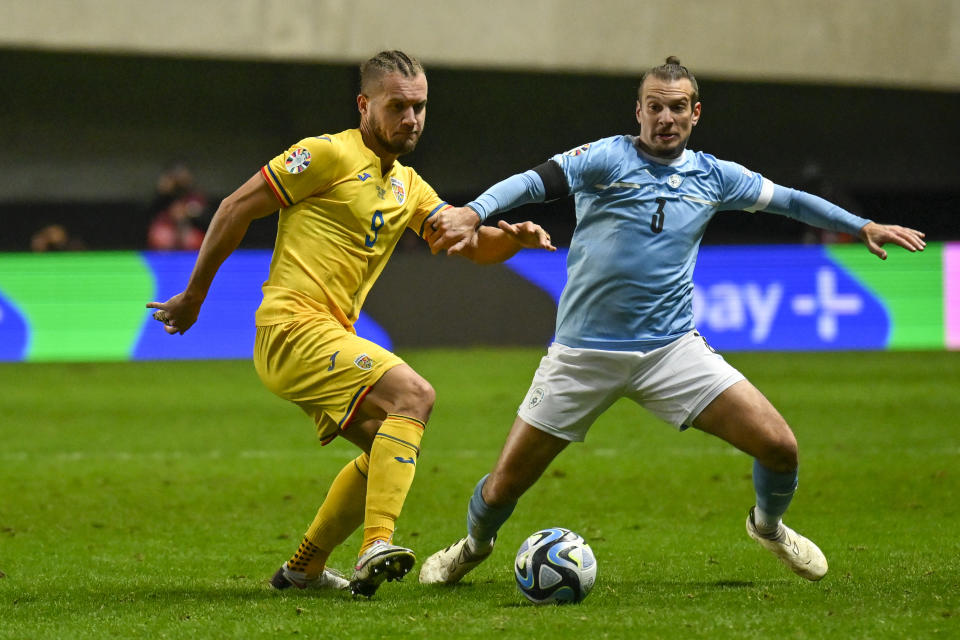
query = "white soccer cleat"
{"x": 284, "y": 578}
{"x": 381, "y": 562}
{"x": 449, "y": 565}
{"x": 800, "y": 554}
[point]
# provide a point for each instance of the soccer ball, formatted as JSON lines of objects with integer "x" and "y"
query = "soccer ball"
{"x": 555, "y": 565}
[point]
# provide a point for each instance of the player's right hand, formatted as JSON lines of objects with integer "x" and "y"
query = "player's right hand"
{"x": 177, "y": 314}
{"x": 453, "y": 229}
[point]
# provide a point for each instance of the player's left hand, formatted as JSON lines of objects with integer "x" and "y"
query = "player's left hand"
{"x": 876, "y": 235}
{"x": 528, "y": 235}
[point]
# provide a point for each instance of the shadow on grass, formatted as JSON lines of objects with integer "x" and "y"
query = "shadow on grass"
{"x": 730, "y": 584}
{"x": 83, "y": 597}
{"x": 662, "y": 588}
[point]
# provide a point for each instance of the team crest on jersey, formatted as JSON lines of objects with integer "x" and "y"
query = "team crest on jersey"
{"x": 398, "y": 191}
{"x": 536, "y": 397}
{"x": 578, "y": 150}
{"x": 298, "y": 160}
{"x": 363, "y": 361}
{"x": 674, "y": 181}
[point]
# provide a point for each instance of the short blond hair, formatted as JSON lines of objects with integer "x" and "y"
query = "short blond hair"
{"x": 386, "y": 62}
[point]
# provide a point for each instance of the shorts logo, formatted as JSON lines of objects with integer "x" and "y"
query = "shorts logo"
{"x": 578, "y": 150}
{"x": 674, "y": 181}
{"x": 705, "y": 343}
{"x": 363, "y": 361}
{"x": 298, "y": 160}
{"x": 398, "y": 191}
{"x": 536, "y": 397}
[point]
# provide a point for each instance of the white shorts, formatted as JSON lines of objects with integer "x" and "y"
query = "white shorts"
{"x": 572, "y": 387}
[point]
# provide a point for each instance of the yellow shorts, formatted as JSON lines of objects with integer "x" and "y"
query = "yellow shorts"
{"x": 321, "y": 367}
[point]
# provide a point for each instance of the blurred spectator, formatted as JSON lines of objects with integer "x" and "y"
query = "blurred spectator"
{"x": 178, "y": 212}
{"x": 54, "y": 237}
{"x": 814, "y": 180}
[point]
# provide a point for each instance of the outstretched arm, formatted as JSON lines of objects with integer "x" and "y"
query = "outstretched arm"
{"x": 457, "y": 228}
{"x": 498, "y": 244}
{"x": 252, "y": 200}
{"x": 816, "y": 211}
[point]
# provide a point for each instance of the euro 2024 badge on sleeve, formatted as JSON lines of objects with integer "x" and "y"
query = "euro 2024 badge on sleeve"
{"x": 297, "y": 161}
{"x": 576, "y": 151}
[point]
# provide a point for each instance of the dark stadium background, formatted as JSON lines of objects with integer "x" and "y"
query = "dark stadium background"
{"x": 84, "y": 136}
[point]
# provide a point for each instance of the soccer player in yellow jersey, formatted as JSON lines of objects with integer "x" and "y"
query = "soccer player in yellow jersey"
{"x": 344, "y": 203}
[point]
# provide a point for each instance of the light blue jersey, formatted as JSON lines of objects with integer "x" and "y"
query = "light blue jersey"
{"x": 639, "y": 226}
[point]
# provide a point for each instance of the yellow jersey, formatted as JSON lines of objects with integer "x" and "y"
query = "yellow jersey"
{"x": 340, "y": 219}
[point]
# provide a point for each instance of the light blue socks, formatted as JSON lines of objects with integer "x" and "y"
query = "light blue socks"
{"x": 483, "y": 521}
{"x": 774, "y": 493}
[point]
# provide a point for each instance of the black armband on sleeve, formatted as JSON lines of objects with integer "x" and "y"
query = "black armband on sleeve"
{"x": 554, "y": 180}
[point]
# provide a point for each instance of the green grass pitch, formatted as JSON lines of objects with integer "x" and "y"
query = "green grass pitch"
{"x": 155, "y": 500}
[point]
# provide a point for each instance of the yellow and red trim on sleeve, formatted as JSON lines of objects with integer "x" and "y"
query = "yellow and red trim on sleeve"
{"x": 267, "y": 172}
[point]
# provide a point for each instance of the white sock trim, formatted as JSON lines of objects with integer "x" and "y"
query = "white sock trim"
{"x": 474, "y": 545}
{"x": 764, "y": 522}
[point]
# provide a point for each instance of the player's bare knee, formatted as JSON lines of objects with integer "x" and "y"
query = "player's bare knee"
{"x": 781, "y": 454}
{"x": 416, "y": 399}
{"x": 424, "y": 395}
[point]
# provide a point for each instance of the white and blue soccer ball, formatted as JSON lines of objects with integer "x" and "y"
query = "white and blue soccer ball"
{"x": 555, "y": 566}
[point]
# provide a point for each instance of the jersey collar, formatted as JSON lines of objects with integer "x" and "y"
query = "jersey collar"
{"x": 373, "y": 157}
{"x": 671, "y": 162}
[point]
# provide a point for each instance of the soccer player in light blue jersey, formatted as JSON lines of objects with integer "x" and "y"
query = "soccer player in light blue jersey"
{"x": 625, "y": 320}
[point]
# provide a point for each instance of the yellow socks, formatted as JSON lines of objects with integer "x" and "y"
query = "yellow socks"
{"x": 368, "y": 490}
{"x": 309, "y": 560}
{"x": 393, "y": 463}
{"x": 339, "y": 515}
